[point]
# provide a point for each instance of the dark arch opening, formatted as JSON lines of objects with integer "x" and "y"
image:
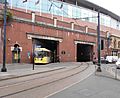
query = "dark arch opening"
{"x": 16, "y": 45}
{"x": 16, "y": 54}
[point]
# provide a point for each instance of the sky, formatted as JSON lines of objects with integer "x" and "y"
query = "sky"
{"x": 111, "y": 5}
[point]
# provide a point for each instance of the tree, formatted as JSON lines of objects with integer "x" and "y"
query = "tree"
{"x": 2, "y": 1}
{"x": 9, "y": 15}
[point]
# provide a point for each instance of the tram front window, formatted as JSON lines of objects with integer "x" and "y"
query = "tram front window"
{"x": 39, "y": 54}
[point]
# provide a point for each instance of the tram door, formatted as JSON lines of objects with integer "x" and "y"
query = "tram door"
{"x": 16, "y": 55}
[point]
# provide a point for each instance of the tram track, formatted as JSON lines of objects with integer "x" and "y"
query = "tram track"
{"x": 22, "y": 86}
{"x": 41, "y": 75}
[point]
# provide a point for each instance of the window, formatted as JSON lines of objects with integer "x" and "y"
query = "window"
{"x": 0, "y": 34}
{"x": 118, "y": 44}
{"x": 114, "y": 53}
{"x": 102, "y": 44}
{"x": 114, "y": 42}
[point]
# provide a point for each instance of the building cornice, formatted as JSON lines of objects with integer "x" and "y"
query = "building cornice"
{"x": 95, "y": 7}
{"x": 28, "y": 21}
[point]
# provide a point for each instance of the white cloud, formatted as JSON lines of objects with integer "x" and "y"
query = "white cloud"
{"x": 111, "y": 5}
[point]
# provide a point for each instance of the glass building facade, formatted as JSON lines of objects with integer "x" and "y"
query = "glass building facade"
{"x": 66, "y": 10}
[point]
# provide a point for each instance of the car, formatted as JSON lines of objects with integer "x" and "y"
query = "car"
{"x": 118, "y": 63}
{"x": 111, "y": 59}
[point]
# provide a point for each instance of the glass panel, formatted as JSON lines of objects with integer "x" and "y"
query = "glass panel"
{"x": 90, "y": 15}
{"x": 102, "y": 21}
{"x": 74, "y": 12}
{"x": 113, "y": 23}
{"x": 119, "y": 25}
{"x": 94, "y": 14}
{"x": 70, "y": 11}
{"x": 78, "y": 12}
{"x": 57, "y": 10}
{"x": 107, "y": 22}
{"x": 46, "y": 6}
{"x": 67, "y": 10}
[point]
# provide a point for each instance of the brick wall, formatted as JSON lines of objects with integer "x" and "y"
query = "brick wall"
{"x": 17, "y": 33}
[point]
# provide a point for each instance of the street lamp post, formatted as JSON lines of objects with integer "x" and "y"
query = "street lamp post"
{"x": 98, "y": 40}
{"x": 99, "y": 43}
{"x": 4, "y": 69}
{"x": 33, "y": 56}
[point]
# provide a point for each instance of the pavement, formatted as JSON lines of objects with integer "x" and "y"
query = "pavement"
{"x": 20, "y": 70}
{"x": 99, "y": 85}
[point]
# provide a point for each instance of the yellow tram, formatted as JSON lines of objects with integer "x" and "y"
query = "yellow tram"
{"x": 42, "y": 56}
